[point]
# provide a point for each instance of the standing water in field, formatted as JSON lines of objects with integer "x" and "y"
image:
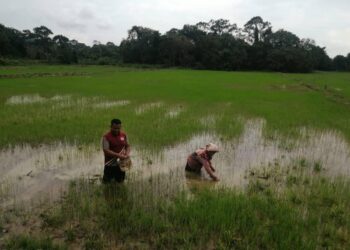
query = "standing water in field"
{"x": 28, "y": 172}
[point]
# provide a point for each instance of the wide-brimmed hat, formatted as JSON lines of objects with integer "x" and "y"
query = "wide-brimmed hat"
{"x": 212, "y": 147}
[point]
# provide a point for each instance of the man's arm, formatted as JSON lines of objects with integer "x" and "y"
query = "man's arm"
{"x": 211, "y": 167}
{"x": 127, "y": 148}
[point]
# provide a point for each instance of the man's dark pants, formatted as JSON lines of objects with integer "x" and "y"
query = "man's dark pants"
{"x": 113, "y": 172}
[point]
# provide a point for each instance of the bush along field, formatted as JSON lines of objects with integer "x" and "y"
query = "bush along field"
{"x": 283, "y": 165}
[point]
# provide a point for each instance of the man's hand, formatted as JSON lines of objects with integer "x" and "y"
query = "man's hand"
{"x": 123, "y": 156}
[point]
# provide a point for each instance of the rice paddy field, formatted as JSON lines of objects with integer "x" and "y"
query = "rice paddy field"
{"x": 283, "y": 165}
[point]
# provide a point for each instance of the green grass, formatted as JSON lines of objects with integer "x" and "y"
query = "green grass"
{"x": 293, "y": 208}
{"x": 286, "y": 101}
{"x": 304, "y": 212}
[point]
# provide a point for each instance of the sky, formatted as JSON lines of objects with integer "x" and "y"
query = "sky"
{"x": 327, "y": 22}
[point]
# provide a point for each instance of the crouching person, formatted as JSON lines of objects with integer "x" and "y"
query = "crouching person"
{"x": 202, "y": 158}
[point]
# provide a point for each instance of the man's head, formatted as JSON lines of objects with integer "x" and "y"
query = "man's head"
{"x": 116, "y": 125}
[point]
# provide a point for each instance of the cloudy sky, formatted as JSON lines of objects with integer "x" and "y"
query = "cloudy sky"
{"x": 328, "y": 22}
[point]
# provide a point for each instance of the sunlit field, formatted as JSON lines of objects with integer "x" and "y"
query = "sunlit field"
{"x": 283, "y": 165}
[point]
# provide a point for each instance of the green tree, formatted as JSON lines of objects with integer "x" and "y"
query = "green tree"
{"x": 289, "y": 60}
{"x": 64, "y": 53}
{"x": 141, "y": 46}
{"x": 38, "y": 43}
{"x": 176, "y": 49}
{"x": 340, "y": 63}
{"x": 217, "y": 27}
{"x": 11, "y": 42}
{"x": 319, "y": 57}
{"x": 348, "y": 61}
{"x": 283, "y": 39}
{"x": 257, "y": 30}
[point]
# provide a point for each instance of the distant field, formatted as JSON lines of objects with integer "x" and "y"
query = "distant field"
{"x": 283, "y": 165}
{"x": 286, "y": 101}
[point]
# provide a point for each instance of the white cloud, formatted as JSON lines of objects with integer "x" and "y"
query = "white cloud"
{"x": 338, "y": 40}
{"x": 86, "y": 13}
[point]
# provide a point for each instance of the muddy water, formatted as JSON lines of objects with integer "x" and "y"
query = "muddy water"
{"x": 147, "y": 107}
{"x": 27, "y": 172}
{"x": 174, "y": 112}
{"x": 64, "y": 101}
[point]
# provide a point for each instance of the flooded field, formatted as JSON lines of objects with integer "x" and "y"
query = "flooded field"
{"x": 29, "y": 172}
{"x": 283, "y": 165}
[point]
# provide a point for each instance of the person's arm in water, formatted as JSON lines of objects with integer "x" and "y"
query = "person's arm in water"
{"x": 207, "y": 166}
{"x": 211, "y": 167}
{"x": 107, "y": 151}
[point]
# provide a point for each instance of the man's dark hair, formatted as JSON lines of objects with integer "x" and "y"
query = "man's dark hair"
{"x": 116, "y": 122}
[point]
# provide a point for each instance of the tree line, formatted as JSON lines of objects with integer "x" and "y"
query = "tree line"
{"x": 217, "y": 44}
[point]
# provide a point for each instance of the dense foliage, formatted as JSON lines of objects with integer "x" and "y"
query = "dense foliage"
{"x": 217, "y": 44}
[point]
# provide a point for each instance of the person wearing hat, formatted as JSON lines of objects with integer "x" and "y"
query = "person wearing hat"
{"x": 116, "y": 151}
{"x": 202, "y": 158}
